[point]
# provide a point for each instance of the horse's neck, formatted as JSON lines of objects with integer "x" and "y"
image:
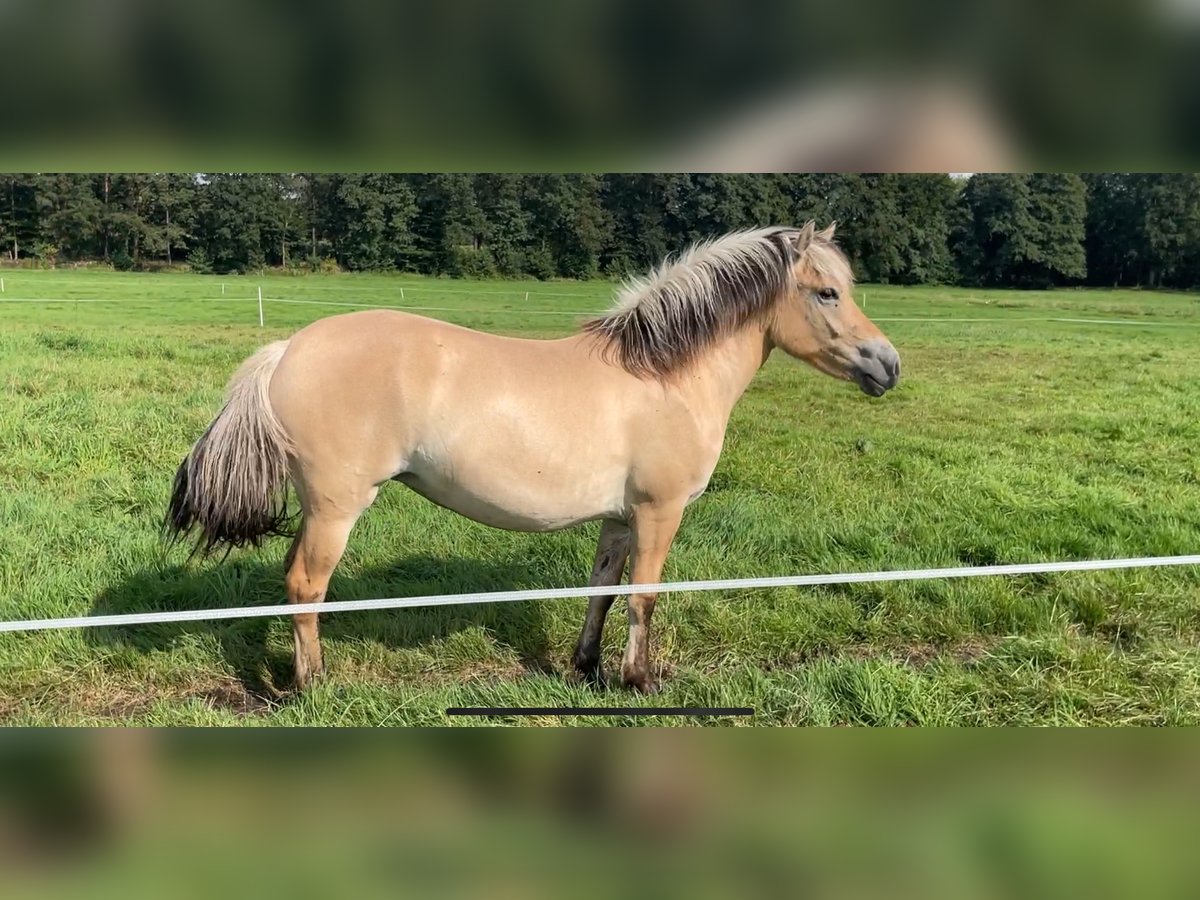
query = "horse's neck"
{"x": 717, "y": 380}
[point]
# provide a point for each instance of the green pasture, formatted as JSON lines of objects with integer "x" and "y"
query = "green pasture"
{"x": 1028, "y": 426}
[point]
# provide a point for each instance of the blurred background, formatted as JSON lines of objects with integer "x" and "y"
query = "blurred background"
{"x": 923, "y": 814}
{"x": 670, "y": 86}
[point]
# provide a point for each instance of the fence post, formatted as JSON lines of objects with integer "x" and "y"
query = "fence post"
{"x": 260, "y": 315}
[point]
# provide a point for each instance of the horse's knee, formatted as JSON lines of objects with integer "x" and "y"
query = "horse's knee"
{"x": 293, "y": 551}
{"x": 295, "y": 577}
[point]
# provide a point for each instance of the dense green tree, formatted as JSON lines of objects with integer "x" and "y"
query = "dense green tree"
{"x": 1168, "y": 211}
{"x": 1113, "y": 233}
{"x": 718, "y": 204}
{"x": 174, "y": 199}
{"x": 1143, "y": 229}
{"x": 458, "y": 226}
{"x": 995, "y": 235}
{"x": 358, "y": 215}
{"x": 318, "y": 199}
{"x": 1023, "y": 230}
{"x": 19, "y": 214}
{"x": 570, "y": 225}
{"x": 238, "y": 218}
{"x": 639, "y": 235}
{"x": 1006, "y": 230}
{"x": 129, "y": 220}
{"x": 867, "y": 210}
{"x": 369, "y": 220}
{"x": 286, "y": 223}
{"x": 676, "y": 197}
{"x": 1058, "y": 207}
{"x": 808, "y": 196}
{"x": 69, "y": 216}
{"x": 926, "y": 204}
{"x": 507, "y": 228}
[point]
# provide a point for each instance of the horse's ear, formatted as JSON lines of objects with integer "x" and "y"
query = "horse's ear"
{"x": 798, "y": 241}
{"x": 827, "y": 235}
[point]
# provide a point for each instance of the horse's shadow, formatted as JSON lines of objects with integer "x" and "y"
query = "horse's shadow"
{"x": 252, "y": 647}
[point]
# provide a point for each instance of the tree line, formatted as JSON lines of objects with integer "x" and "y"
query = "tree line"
{"x": 1023, "y": 230}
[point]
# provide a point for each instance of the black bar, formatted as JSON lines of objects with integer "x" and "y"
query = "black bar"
{"x": 599, "y": 711}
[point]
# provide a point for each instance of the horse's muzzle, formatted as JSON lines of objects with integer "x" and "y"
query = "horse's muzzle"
{"x": 877, "y": 367}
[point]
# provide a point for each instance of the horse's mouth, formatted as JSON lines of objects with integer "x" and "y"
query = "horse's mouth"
{"x": 870, "y": 385}
{"x": 876, "y": 367}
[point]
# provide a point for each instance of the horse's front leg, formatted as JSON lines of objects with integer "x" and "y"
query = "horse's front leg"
{"x": 654, "y": 529}
{"x": 612, "y": 552}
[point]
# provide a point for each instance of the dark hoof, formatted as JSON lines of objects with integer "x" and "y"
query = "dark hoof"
{"x": 589, "y": 670}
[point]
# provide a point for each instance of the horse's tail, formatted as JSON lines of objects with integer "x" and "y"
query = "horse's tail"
{"x": 232, "y": 486}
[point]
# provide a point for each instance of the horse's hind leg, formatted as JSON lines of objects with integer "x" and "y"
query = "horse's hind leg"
{"x": 311, "y": 561}
{"x": 611, "y": 554}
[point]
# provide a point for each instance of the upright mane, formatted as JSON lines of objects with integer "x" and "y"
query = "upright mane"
{"x": 662, "y": 321}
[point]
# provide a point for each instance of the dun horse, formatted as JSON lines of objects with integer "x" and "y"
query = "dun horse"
{"x": 622, "y": 422}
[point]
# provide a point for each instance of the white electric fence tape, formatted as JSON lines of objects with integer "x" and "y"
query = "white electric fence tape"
{"x": 726, "y": 584}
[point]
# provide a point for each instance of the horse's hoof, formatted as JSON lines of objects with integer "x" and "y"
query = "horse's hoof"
{"x": 305, "y": 677}
{"x": 590, "y": 672}
{"x": 639, "y": 681}
{"x": 592, "y": 677}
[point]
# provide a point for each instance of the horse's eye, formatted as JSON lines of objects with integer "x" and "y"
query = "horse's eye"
{"x": 828, "y": 295}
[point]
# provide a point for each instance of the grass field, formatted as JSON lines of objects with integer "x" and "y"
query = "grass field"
{"x": 1019, "y": 433}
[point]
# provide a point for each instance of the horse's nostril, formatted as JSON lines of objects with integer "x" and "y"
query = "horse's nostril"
{"x": 880, "y": 358}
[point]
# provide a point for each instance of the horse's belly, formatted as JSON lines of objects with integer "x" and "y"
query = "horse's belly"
{"x": 515, "y": 505}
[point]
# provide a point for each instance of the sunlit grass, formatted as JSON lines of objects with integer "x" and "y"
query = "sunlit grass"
{"x": 1009, "y": 440}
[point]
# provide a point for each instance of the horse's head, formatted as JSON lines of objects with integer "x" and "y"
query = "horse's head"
{"x": 818, "y": 321}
